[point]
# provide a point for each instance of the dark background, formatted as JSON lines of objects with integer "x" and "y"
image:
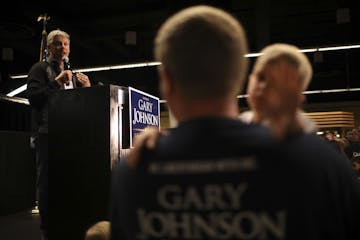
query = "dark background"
{"x": 99, "y": 30}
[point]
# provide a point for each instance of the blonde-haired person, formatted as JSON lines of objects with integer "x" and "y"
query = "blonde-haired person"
{"x": 275, "y": 90}
{"x": 45, "y": 78}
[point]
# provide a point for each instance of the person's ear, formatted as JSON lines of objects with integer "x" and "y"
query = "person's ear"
{"x": 302, "y": 99}
{"x": 166, "y": 83}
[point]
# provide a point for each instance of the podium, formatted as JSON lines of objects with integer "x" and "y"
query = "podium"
{"x": 89, "y": 129}
{"x": 80, "y": 156}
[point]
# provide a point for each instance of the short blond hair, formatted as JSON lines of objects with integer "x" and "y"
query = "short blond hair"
{"x": 203, "y": 47}
{"x": 54, "y": 33}
{"x": 99, "y": 231}
{"x": 289, "y": 53}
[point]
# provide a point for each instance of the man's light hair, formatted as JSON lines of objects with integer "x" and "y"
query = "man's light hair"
{"x": 99, "y": 231}
{"x": 54, "y": 33}
{"x": 203, "y": 48}
{"x": 289, "y": 53}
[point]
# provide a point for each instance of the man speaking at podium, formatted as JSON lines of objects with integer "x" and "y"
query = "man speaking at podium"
{"x": 45, "y": 78}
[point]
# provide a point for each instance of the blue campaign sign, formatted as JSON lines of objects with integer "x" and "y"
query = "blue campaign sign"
{"x": 144, "y": 111}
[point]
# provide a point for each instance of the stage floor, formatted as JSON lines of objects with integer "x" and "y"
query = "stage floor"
{"x": 20, "y": 226}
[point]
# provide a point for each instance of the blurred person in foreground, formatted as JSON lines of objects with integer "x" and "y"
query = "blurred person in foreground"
{"x": 279, "y": 76}
{"x": 215, "y": 177}
{"x": 275, "y": 97}
{"x": 44, "y": 79}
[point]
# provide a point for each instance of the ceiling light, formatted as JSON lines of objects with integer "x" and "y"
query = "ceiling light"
{"x": 148, "y": 64}
{"x": 17, "y": 91}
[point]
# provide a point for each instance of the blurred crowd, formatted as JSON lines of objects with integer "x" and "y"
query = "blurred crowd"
{"x": 349, "y": 145}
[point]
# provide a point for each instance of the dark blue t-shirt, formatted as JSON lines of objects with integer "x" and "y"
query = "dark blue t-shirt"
{"x": 221, "y": 179}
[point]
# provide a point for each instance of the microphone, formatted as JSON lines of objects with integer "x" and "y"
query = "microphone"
{"x": 66, "y": 63}
{"x": 67, "y": 66}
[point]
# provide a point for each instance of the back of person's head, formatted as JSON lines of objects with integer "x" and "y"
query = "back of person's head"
{"x": 290, "y": 54}
{"x": 54, "y": 33}
{"x": 98, "y": 231}
{"x": 203, "y": 47}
